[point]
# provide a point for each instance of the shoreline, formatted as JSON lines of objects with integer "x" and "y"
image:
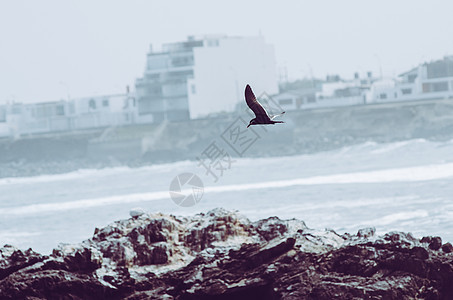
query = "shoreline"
{"x": 304, "y": 132}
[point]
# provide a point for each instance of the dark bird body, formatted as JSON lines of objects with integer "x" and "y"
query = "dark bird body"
{"x": 262, "y": 118}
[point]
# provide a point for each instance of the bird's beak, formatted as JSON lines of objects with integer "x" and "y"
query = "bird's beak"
{"x": 248, "y": 126}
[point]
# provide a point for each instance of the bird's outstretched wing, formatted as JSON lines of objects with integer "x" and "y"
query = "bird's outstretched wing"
{"x": 255, "y": 106}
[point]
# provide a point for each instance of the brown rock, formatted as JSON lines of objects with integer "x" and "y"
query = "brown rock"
{"x": 222, "y": 255}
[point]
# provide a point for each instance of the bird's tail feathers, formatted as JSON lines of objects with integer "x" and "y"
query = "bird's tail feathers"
{"x": 274, "y": 116}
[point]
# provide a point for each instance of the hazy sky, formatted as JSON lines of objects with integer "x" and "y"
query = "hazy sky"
{"x": 50, "y": 50}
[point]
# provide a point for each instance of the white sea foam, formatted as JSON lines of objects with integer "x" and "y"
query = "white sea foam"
{"x": 93, "y": 173}
{"x": 398, "y": 217}
{"x": 396, "y": 145}
{"x": 364, "y": 148}
{"x": 411, "y": 174}
{"x": 84, "y": 203}
{"x": 371, "y": 202}
{"x": 419, "y": 173}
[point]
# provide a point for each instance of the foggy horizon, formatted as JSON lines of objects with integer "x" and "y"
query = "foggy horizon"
{"x": 52, "y": 51}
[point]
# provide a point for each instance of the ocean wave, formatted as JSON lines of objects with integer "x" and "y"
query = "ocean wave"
{"x": 410, "y": 174}
{"x": 419, "y": 173}
{"x": 365, "y": 148}
{"x": 398, "y": 217}
{"x": 83, "y": 173}
{"x": 83, "y": 203}
{"x": 397, "y": 145}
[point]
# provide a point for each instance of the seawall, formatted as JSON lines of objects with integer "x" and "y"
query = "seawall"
{"x": 305, "y": 131}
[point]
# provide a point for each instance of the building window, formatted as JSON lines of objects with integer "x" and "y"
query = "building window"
{"x": 310, "y": 99}
{"x": 157, "y": 62}
{"x": 439, "y": 86}
{"x": 16, "y": 110}
{"x": 105, "y": 102}
{"x": 92, "y": 104}
{"x": 154, "y": 90}
{"x": 44, "y": 111}
{"x": 430, "y": 87}
{"x": 406, "y": 91}
{"x": 59, "y": 111}
{"x": 181, "y": 61}
{"x": 285, "y": 101}
{"x": 411, "y": 77}
{"x": 152, "y": 76}
{"x": 426, "y": 88}
{"x": 439, "y": 69}
{"x": 382, "y": 96}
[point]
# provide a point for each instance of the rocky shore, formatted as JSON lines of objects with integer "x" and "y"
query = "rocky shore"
{"x": 222, "y": 255}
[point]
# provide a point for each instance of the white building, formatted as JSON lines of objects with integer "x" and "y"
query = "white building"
{"x": 337, "y": 92}
{"x": 103, "y": 111}
{"x": 384, "y": 90}
{"x": 204, "y": 75}
{"x": 428, "y": 81}
{"x": 296, "y": 99}
{"x": 19, "y": 119}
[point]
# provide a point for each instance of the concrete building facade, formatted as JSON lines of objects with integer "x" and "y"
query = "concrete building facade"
{"x": 204, "y": 75}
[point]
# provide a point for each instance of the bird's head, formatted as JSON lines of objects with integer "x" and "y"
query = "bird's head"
{"x": 252, "y": 122}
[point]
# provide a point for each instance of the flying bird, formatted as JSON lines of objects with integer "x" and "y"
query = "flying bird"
{"x": 261, "y": 115}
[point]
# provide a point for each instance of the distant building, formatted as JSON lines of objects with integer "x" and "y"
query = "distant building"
{"x": 333, "y": 92}
{"x": 103, "y": 111}
{"x": 428, "y": 81}
{"x": 384, "y": 90}
{"x": 43, "y": 117}
{"x": 19, "y": 119}
{"x": 296, "y": 99}
{"x": 339, "y": 92}
{"x": 205, "y": 75}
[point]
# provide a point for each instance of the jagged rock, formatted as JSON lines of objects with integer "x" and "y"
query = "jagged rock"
{"x": 222, "y": 255}
{"x": 434, "y": 242}
{"x": 13, "y": 259}
{"x": 447, "y": 248}
{"x": 366, "y": 232}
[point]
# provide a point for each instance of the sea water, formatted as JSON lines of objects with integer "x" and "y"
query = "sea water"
{"x": 401, "y": 186}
